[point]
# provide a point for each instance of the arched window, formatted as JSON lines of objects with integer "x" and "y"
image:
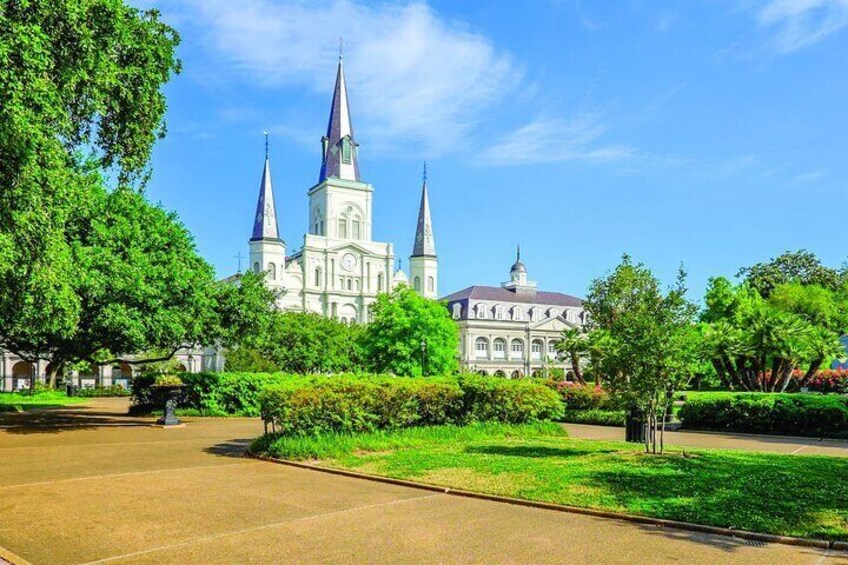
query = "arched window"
{"x": 318, "y": 280}
{"x": 342, "y": 228}
{"x": 457, "y": 311}
{"x": 481, "y": 348}
{"x": 355, "y": 229}
{"x": 256, "y": 268}
{"x": 499, "y": 312}
{"x": 516, "y": 349}
{"x": 481, "y": 311}
{"x": 349, "y": 284}
{"x": 499, "y": 348}
{"x": 380, "y": 282}
{"x": 536, "y": 349}
{"x": 517, "y": 313}
{"x": 552, "y": 352}
{"x": 534, "y": 314}
{"x": 516, "y": 374}
{"x": 272, "y": 271}
{"x": 569, "y": 315}
{"x": 417, "y": 284}
{"x": 500, "y": 374}
{"x": 553, "y": 313}
{"x": 431, "y": 284}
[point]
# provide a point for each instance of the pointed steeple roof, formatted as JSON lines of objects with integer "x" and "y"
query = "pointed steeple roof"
{"x": 265, "y": 221}
{"x": 424, "y": 244}
{"x": 339, "y": 159}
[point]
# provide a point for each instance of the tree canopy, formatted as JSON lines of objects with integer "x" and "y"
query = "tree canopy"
{"x": 89, "y": 269}
{"x": 802, "y": 267}
{"x": 298, "y": 342}
{"x": 401, "y": 321}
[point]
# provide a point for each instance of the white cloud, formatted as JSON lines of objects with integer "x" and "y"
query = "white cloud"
{"x": 801, "y": 23}
{"x": 416, "y": 80}
{"x": 554, "y": 139}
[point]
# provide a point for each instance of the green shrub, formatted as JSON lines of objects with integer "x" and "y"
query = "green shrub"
{"x": 509, "y": 401}
{"x": 764, "y": 413}
{"x": 212, "y": 394}
{"x": 103, "y": 391}
{"x": 345, "y": 404}
{"x": 595, "y": 417}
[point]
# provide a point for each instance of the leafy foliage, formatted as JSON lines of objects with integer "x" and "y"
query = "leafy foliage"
{"x": 89, "y": 271}
{"x": 594, "y": 417}
{"x": 787, "y": 414}
{"x": 802, "y": 267}
{"x": 297, "y": 342}
{"x": 643, "y": 341}
{"x": 755, "y": 344}
{"x": 401, "y": 321}
{"x": 357, "y": 404}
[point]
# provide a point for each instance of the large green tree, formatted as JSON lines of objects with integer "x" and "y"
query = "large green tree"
{"x": 401, "y": 322}
{"x": 89, "y": 270}
{"x": 643, "y": 340}
{"x": 297, "y": 342}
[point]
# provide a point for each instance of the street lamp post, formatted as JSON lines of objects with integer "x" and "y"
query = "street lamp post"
{"x": 423, "y": 357}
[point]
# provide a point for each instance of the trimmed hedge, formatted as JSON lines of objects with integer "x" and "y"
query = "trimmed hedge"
{"x": 103, "y": 392}
{"x": 347, "y": 405}
{"x": 209, "y": 394}
{"x": 594, "y": 417}
{"x": 768, "y": 413}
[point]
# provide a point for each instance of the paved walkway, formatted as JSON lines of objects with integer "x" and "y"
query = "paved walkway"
{"x": 87, "y": 484}
{"x": 716, "y": 440}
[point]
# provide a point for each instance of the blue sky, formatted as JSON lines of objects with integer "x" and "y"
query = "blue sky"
{"x": 712, "y": 134}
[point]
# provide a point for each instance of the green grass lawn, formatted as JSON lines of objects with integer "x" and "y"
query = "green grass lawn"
{"x": 17, "y": 402}
{"x": 779, "y": 494}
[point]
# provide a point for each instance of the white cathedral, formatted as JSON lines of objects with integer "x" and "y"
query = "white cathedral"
{"x": 339, "y": 270}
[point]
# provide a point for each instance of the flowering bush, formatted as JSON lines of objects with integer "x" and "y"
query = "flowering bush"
{"x": 828, "y": 380}
{"x": 583, "y": 397}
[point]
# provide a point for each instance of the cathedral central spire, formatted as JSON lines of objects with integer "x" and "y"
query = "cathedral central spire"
{"x": 265, "y": 221}
{"x": 339, "y": 147}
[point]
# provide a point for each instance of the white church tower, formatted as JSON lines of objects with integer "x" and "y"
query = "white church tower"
{"x": 423, "y": 263}
{"x": 267, "y": 250}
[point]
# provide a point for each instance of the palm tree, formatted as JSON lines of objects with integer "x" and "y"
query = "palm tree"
{"x": 824, "y": 345}
{"x": 574, "y": 345}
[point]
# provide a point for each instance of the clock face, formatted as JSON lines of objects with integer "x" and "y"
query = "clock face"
{"x": 349, "y": 262}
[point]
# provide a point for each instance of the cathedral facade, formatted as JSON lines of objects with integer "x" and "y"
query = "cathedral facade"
{"x": 340, "y": 269}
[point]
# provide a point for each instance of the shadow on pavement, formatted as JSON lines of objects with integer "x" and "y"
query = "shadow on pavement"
{"x": 66, "y": 418}
{"x": 230, "y": 448}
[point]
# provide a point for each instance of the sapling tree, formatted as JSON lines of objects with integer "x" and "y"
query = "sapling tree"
{"x": 643, "y": 341}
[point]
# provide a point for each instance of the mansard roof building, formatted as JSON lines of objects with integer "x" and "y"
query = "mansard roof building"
{"x": 512, "y": 330}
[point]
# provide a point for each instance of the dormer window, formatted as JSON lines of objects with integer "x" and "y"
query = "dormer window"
{"x": 457, "y": 311}
{"x": 481, "y": 311}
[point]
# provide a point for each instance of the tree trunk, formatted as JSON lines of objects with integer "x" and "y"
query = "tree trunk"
{"x": 811, "y": 372}
{"x": 575, "y": 368}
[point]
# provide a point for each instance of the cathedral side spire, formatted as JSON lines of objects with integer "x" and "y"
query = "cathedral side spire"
{"x": 425, "y": 244}
{"x": 423, "y": 263}
{"x": 265, "y": 221}
{"x": 339, "y": 147}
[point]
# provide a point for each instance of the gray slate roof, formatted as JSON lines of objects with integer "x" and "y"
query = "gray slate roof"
{"x": 339, "y": 126}
{"x": 425, "y": 244}
{"x": 265, "y": 221}
{"x": 499, "y": 294}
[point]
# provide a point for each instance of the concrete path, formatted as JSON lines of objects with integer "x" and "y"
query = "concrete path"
{"x": 87, "y": 484}
{"x": 717, "y": 440}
